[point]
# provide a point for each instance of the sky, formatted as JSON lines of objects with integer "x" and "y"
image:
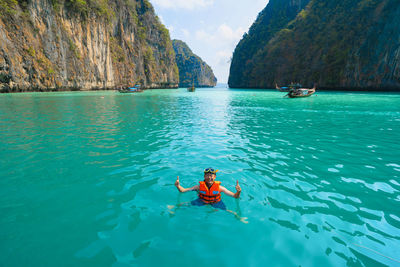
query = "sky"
{"x": 211, "y": 28}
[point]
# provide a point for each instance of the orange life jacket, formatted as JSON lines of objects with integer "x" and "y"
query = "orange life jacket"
{"x": 212, "y": 195}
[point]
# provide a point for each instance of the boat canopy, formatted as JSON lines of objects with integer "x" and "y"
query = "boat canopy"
{"x": 295, "y": 85}
{"x": 303, "y": 91}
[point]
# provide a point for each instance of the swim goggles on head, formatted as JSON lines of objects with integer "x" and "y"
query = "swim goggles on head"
{"x": 210, "y": 170}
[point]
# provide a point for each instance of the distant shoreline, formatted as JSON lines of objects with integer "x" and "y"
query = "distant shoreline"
{"x": 44, "y": 90}
{"x": 218, "y": 86}
{"x": 335, "y": 89}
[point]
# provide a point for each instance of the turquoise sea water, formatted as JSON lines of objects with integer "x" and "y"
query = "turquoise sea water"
{"x": 87, "y": 178}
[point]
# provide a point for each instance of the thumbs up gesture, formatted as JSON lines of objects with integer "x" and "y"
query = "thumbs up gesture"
{"x": 177, "y": 182}
{"x": 238, "y": 189}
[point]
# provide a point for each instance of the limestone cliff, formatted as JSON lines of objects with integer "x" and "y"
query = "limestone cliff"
{"x": 192, "y": 69}
{"x": 74, "y": 44}
{"x": 271, "y": 20}
{"x": 347, "y": 45}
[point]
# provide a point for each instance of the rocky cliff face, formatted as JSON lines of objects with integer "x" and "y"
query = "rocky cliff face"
{"x": 192, "y": 69}
{"x": 351, "y": 45}
{"x": 50, "y": 45}
{"x": 271, "y": 20}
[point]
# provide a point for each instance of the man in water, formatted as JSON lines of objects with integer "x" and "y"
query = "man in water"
{"x": 209, "y": 190}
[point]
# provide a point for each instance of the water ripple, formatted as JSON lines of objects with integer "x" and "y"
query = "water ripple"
{"x": 99, "y": 173}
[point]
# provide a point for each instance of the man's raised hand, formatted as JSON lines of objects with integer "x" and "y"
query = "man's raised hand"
{"x": 177, "y": 182}
{"x": 238, "y": 189}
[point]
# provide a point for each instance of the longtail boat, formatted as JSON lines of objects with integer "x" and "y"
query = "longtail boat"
{"x": 301, "y": 92}
{"x": 191, "y": 89}
{"x": 295, "y": 90}
{"x": 292, "y": 86}
{"x": 134, "y": 89}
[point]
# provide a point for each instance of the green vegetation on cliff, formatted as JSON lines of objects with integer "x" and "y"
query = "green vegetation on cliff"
{"x": 344, "y": 44}
{"x": 192, "y": 69}
{"x": 7, "y": 7}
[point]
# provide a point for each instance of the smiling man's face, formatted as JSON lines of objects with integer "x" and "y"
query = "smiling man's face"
{"x": 209, "y": 178}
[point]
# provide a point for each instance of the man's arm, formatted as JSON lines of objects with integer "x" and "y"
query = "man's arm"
{"x": 229, "y": 193}
{"x": 182, "y": 189}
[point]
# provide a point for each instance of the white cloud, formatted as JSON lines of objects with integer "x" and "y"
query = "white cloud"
{"x": 185, "y": 32}
{"x": 204, "y": 36}
{"x": 227, "y": 33}
{"x": 224, "y": 57}
{"x": 214, "y": 44}
{"x": 223, "y": 36}
{"x": 220, "y": 42}
{"x": 183, "y": 4}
